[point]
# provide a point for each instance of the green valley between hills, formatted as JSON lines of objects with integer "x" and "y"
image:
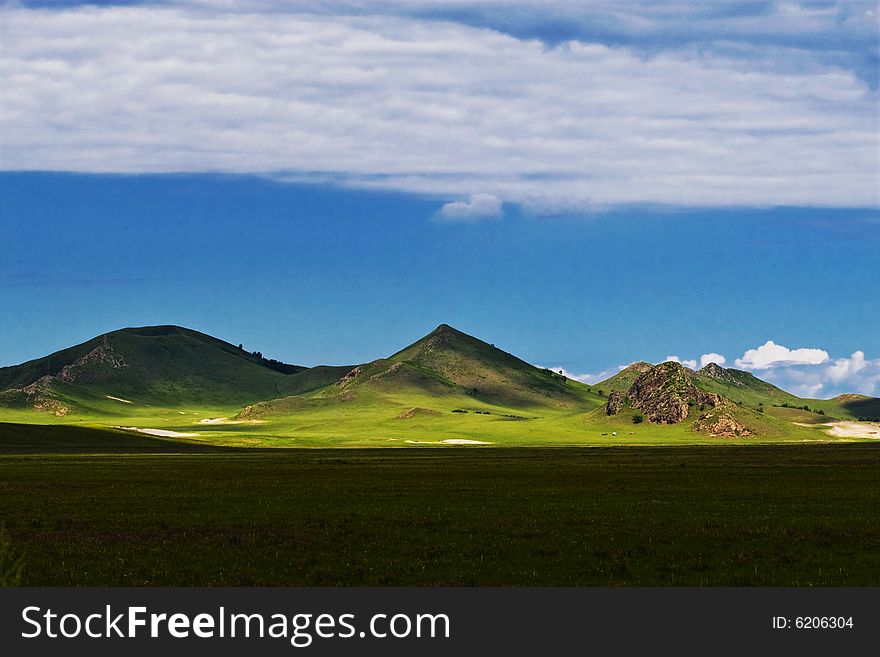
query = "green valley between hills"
{"x": 178, "y": 385}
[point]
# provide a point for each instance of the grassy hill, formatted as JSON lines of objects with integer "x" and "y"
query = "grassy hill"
{"x": 448, "y": 361}
{"x": 165, "y": 366}
{"x": 746, "y": 389}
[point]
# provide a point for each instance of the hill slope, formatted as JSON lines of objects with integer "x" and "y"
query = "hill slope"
{"x": 156, "y": 365}
{"x": 450, "y": 362}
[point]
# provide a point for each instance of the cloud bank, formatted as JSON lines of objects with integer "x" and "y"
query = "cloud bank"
{"x": 587, "y": 378}
{"x": 625, "y": 104}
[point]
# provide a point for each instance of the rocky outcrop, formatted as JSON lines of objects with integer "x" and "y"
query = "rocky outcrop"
{"x": 664, "y": 393}
{"x": 721, "y": 424}
{"x": 349, "y": 377}
{"x": 616, "y": 400}
{"x": 390, "y": 371}
{"x": 39, "y": 394}
{"x": 102, "y": 357}
{"x": 715, "y": 371}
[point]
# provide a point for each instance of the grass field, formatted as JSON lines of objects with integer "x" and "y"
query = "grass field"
{"x": 89, "y": 508}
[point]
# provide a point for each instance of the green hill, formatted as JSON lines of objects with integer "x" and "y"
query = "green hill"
{"x": 741, "y": 387}
{"x": 148, "y": 366}
{"x": 746, "y": 389}
{"x": 449, "y": 362}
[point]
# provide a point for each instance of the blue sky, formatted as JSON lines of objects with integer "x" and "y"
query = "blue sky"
{"x": 583, "y": 188}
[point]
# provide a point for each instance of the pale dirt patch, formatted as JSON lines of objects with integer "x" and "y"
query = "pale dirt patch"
{"x": 119, "y": 399}
{"x": 164, "y": 433}
{"x": 223, "y": 420}
{"x": 448, "y": 441}
{"x": 855, "y": 430}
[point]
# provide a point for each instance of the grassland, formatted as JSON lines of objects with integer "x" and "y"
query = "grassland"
{"x": 133, "y": 510}
{"x": 378, "y": 418}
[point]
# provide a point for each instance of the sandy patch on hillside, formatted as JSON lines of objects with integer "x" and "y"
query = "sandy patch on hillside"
{"x": 164, "y": 433}
{"x": 448, "y": 441}
{"x": 220, "y": 420}
{"x": 855, "y": 430}
{"x": 224, "y": 420}
{"x": 119, "y": 399}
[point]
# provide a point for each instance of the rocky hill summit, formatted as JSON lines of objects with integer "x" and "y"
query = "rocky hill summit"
{"x": 715, "y": 371}
{"x": 666, "y": 394}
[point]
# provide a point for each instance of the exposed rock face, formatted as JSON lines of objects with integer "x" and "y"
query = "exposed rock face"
{"x": 103, "y": 356}
{"x": 721, "y": 424}
{"x": 349, "y": 377}
{"x": 641, "y": 367}
{"x": 664, "y": 393}
{"x": 715, "y": 371}
{"x": 848, "y": 398}
{"x": 391, "y": 370}
{"x": 39, "y": 393}
{"x": 615, "y": 402}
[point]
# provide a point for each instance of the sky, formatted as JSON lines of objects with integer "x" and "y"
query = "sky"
{"x": 582, "y": 184}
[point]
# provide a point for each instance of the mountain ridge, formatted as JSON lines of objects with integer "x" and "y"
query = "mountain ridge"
{"x": 170, "y": 365}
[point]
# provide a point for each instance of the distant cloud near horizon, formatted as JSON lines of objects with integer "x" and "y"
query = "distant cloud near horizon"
{"x": 633, "y": 102}
{"x": 811, "y": 372}
{"x": 587, "y": 378}
{"x": 855, "y": 374}
{"x": 478, "y": 206}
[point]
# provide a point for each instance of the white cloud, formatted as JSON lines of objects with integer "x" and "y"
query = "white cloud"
{"x": 844, "y": 369}
{"x": 833, "y": 377}
{"x": 810, "y": 372}
{"x": 771, "y": 354}
{"x": 705, "y": 359}
{"x": 478, "y": 206}
{"x": 439, "y": 108}
{"x": 587, "y": 378}
{"x": 692, "y": 364}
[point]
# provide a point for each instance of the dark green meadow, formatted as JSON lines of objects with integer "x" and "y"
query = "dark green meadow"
{"x": 155, "y": 514}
